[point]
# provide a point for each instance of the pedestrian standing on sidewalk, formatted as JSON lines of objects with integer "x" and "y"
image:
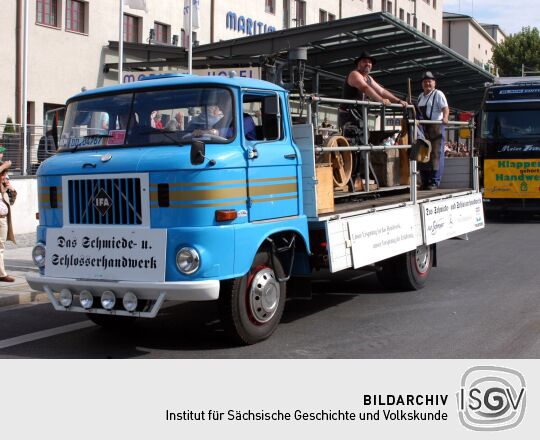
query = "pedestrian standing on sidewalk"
{"x": 8, "y": 196}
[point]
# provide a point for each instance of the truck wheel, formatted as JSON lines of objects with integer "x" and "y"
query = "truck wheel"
{"x": 408, "y": 271}
{"x": 111, "y": 322}
{"x": 251, "y": 306}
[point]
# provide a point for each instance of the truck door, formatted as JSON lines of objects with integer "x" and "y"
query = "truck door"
{"x": 272, "y": 169}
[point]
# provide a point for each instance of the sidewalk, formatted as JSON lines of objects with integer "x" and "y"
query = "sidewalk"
{"x": 18, "y": 261}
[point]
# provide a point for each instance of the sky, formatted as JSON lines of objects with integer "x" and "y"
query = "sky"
{"x": 510, "y": 15}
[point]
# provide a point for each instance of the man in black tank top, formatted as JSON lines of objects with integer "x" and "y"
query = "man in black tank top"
{"x": 360, "y": 86}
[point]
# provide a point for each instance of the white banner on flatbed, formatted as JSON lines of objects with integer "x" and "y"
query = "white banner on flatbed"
{"x": 377, "y": 236}
{"x": 452, "y": 217}
{"x": 113, "y": 254}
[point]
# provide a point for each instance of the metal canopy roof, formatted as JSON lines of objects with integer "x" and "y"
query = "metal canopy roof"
{"x": 401, "y": 52}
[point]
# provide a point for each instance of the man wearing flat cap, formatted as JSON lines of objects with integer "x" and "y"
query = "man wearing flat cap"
{"x": 359, "y": 85}
{"x": 433, "y": 106}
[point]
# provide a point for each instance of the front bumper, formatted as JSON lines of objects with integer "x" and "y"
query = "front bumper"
{"x": 154, "y": 292}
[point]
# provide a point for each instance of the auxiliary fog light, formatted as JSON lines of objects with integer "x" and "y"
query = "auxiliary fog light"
{"x": 66, "y": 297}
{"x": 38, "y": 255}
{"x": 187, "y": 260}
{"x": 130, "y": 301}
{"x": 86, "y": 299}
{"x": 108, "y": 300}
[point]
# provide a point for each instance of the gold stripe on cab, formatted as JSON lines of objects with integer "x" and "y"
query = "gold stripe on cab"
{"x": 273, "y": 179}
{"x": 224, "y": 182}
{"x": 265, "y": 190}
{"x": 194, "y": 195}
{"x": 189, "y": 184}
{"x": 203, "y": 194}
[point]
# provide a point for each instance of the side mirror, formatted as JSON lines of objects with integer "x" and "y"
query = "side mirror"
{"x": 198, "y": 148}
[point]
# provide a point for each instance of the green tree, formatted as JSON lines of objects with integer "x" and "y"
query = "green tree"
{"x": 10, "y": 139}
{"x": 518, "y": 49}
{"x": 9, "y": 128}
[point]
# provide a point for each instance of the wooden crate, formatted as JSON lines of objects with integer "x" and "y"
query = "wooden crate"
{"x": 325, "y": 188}
{"x": 359, "y": 184}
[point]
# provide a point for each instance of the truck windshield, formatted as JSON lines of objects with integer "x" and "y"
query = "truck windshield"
{"x": 151, "y": 117}
{"x": 511, "y": 124}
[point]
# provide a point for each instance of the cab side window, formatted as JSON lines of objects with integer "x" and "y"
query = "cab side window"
{"x": 260, "y": 119}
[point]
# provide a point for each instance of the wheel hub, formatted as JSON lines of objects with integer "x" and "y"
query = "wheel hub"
{"x": 264, "y": 295}
{"x": 422, "y": 259}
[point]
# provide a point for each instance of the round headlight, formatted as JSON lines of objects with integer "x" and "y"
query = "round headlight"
{"x": 187, "y": 260}
{"x": 66, "y": 297}
{"x": 108, "y": 300}
{"x": 130, "y": 301}
{"x": 38, "y": 255}
{"x": 86, "y": 299}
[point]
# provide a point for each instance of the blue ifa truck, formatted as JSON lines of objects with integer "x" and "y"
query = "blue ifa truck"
{"x": 186, "y": 188}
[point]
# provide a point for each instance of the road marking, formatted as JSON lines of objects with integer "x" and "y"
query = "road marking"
{"x": 30, "y": 337}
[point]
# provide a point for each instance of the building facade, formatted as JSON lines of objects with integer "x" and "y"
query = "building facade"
{"x": 68, "y": 39}
{"x": 495, "y": 31}
{"x": 471, "y": 39}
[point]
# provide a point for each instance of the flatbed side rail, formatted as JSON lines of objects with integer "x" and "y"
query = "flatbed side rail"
{"x": 365, "y": 147}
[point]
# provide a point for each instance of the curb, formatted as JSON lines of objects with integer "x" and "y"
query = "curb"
{"x": 19, "y": 292}
{"x": 7, "y": 300}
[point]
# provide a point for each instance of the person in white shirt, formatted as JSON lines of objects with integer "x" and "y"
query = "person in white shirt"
{"x": 433, "y": 106}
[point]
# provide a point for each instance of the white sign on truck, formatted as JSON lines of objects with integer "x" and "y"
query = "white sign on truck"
{"x": 106, "y": 253}
{"x": 381, "y": 235}
{"x": 449, "y": 218}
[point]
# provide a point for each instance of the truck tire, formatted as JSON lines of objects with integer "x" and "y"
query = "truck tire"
{"x": 111, "y": 322}
{"x": 251, "y": 306}
{"x": 408, "y": 271}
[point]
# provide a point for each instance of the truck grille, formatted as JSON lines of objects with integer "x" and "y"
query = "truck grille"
{"x": 105, "y": 201}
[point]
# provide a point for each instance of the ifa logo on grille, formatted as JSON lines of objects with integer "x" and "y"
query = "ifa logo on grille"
{"x": 102, "y": 202}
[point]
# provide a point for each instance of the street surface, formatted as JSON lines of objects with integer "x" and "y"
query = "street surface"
{"x": 483, "y": 301}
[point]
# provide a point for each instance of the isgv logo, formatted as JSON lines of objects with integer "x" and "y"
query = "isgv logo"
{"x": 491, "y": 398}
